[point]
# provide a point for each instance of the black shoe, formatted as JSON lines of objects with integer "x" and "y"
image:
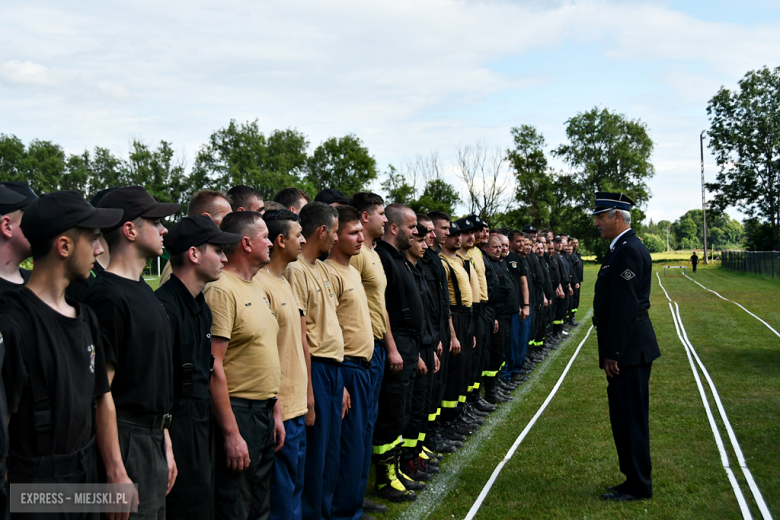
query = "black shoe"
{"x": 422, "y": 465}
{"x": 450, "y": 433}
{"x": 475, "y": 411}
{"x": 373, "y": 507}
{"x": 464, "y": 428}
{"x": 412, "y": 469}
{"x": 508, "y": 385}
{"x": 432, "y": 454}
{"x": 620, "y": 496}
{"x": 473, "y": 419}
{"x": 574, "y": 323}
{"x": 485, "y": 406}
{"x": 519, "y": 378}
{"x": 501, "y": 394}
{"x": 494, "y": 398}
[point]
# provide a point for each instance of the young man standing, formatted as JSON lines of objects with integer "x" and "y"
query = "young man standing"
{"x": 246, "y": 376}
{"x": 293, "y": 199}
{"x": 311, "y": 285}
{"x": 54, "y": 369}
{"x": 355, "y": 321}
{"x": 14, "y": 247}
{"x": 138, "y": 341}
{"x": 372, "y": 274}
{"x": 246, "y": 198}
{"x": 195, "y": 244}
{"x": 284, "y": 232}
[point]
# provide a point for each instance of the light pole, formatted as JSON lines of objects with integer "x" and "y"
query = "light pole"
{"x": 703, "y": 207}
{"x": 667, "y": 240}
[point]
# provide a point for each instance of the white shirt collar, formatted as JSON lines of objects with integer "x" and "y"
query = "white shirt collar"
{"x": 612, "y": 245}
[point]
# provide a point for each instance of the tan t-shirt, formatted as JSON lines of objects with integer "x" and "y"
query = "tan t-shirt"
{"x": 166, "y": 274}
{"x": 479, "y": 263}
{"x": 473, "y": 278}
{"x": 295, "y": 379}
{"x": 311, "y": 286}
{"x": 354, "y": 318}
{"x": 462, "y": 278}
{"x": 243, "y": 315}
{"x": 369, "y": 265}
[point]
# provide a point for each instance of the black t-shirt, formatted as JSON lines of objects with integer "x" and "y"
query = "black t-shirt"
{"x": 400, "y": 277}
{"x": 429, "y": 335}
{"x": 62, "y": 357}
{"x": 538, "y": 275}
{"x": 515, "y": 266}
{"x": 191, "y": 324}
{"x": 549, "y": 292}
{"x": 555, "y": 271}
{"x": 138, "y": 341}
{"x": 77, "y": 289}
{"x": 5, "y": 285}
{"x": 695, "y": 259}
{"x": 508, "y": 301}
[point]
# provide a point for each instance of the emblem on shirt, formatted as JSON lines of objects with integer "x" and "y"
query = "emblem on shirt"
{"x": 91, "y": 350}
{"x": 330, "y": 291}
{"x": 627, "y": 275}
{"x": 265, "y": 299}
{"x": 513, "y": 264}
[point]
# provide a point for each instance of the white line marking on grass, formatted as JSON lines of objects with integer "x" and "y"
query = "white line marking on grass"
{"x": 735, "y": 303}
{"x": 481, "y": 498}
{"x": 718, "y": 439}
{"x": 662, "y": 286}
{"x": 732, "y": 436}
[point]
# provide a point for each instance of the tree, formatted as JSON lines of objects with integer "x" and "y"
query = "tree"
{"x": 607, "y": 152}
{"x": 342, "y": 163}
{"x": 436, "y": 195}
{"x": 242, "y": 154}
{"x": 654, "y": 243}
{"x": 535, "y": 189}
{"x": 745, "y": 137}
{"x": 158, "y": 172}
{"x": 488, "y": 186}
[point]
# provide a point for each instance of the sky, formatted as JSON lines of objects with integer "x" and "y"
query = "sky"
{"x": 407, "y": 77}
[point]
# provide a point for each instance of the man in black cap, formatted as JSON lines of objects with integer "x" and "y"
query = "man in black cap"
{"x": 54, "y": 371}
{"x": 332, "y": 196}
{"x": 138, "y": 339}
{"x": 627, "y": 342}
{"x": 14, "y": 247}
{"x": 195, "y": 244}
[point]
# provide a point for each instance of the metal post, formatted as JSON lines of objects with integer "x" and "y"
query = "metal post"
{"x": 703, "y": 207}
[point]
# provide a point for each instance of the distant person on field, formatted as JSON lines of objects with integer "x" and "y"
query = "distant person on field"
{"x": 694, "y": 260}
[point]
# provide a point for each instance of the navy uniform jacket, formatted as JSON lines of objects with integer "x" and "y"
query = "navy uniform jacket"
{"x": 620, "y": 304}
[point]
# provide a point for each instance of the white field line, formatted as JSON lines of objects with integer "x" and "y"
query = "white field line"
{"x": 732, "y": 436}
{"x": 481, "y": 498}
{"x": 735, "y": 303}
{"x": 718, "y": 440}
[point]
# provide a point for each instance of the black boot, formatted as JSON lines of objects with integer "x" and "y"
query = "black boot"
{"x": 387, "y": 484}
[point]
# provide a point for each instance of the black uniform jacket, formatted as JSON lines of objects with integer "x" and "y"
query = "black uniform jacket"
{"x": 620, "y": 304}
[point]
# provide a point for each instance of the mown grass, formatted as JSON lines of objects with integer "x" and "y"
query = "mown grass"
{"x": 568, "y": 458}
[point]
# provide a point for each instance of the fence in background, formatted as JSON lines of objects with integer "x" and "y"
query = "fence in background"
{"x": 765, "y": 263}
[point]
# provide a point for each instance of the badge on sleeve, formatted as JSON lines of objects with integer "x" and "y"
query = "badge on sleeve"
{"x": 627, "y": 275}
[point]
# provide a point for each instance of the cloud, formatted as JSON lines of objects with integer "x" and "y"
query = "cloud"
{"x": 27, "y": 73}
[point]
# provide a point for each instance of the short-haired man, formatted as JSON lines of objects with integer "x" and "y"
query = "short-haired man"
{"x": 54, "y": 369}
{"x": 293, "y": 199}
{"x": 209, "y": 203}
{"x": 355, "y": 321}
{"x": 414, "y": 434}
{"x": 369, "y": 265}
{"x": 246, "y": 376}
{"x": 333, "y": 197}
{"x": 14, "y": 247}
{"x": 310, "y": 282}
{"x": 246, "y": 198}
{"x": 138, "y": 340}
{"x": 405, "y": 321}
{"x": 520, "y": 335}
{"x": 195, "y": 244}
{"x": 284, "y": 232}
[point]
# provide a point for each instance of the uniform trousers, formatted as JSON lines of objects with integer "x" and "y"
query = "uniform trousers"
{"x": 487, "y": 316}
{"x": 192, "y": 496}
{"x": 513, "y": 364}
{"x": 76, "y": 468}
{"x": 439, "y": 378}
{"x": 287, "y": 478}
{"x": 575, "y": 304}
{"x": 395, "y": 397}
{"x": 375, "y": 374}
{"x": 415, "y": 430}
{"x": 525, "y": 337}
{"x": 245, "y": 495}
{"x": 147, "y": 467}
{"x": 498, "y": 344}
{"x": 561, "y": 307}
{"x": 629, "y": 408}
{"x": 458, "y": 365}
{"x": 348, "y": 497}
{"x": 323, "y": 441}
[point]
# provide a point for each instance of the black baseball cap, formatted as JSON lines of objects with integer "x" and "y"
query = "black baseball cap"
{"x": 606, "y": 201}
{"x": 466, "y": 224}
{"x": 529, "y": 229}
{"x": 8, "y": 196}
{"x": 557, "y": 238}
{"x": 455, "y": 228}
{"x": 194, "y": 231}
{"x": 20, "y": 188}
{"x": 95, "y": 200}
{"x": 478, "y": 221}
{"x": 331, "y": 195}
{"x": 51, "y": 214}
{"x": 136, "y": 202}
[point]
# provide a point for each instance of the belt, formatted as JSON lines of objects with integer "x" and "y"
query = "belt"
{"x": 253, "y": 403}
{"x": 326, "y": 360}
{"x": 604, "y": 320}
{"x": 362, "y": 363}
{"x": 153, "y": 422}
{"x": 460, "y": 309}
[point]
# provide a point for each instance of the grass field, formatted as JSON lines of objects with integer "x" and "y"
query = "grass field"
{"x": 568, "y": 458}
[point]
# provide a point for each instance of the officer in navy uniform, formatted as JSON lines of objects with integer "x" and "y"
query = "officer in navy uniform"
{"x": 627, "y": 342}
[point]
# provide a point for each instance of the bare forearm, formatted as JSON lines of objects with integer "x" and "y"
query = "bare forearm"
{"x": 220, "y": 400}
{"x": 107, "y": 437}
